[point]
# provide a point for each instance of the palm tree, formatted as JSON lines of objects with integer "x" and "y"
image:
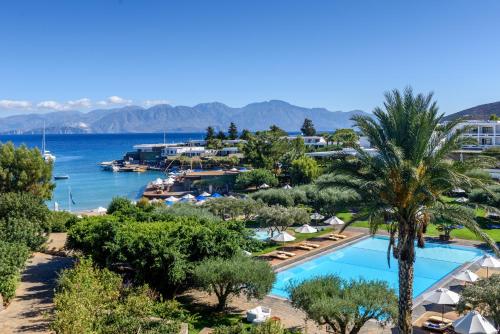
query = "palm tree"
{"x": 401, "y": 186}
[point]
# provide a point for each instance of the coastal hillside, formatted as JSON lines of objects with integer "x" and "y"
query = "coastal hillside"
{"x": 164, "y": 117}
{"x": 481, "y": 112}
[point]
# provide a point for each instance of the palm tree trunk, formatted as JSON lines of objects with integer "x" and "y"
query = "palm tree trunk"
{"x": 405, "y": 295}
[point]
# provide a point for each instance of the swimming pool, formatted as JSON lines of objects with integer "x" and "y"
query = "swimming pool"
{"x": 262, "y": 235}
{"x": 368, "y": 259}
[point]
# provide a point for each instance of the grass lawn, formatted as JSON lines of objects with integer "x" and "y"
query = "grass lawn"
{"x": 432, "y": 230}
{"x": 299, "y": 237}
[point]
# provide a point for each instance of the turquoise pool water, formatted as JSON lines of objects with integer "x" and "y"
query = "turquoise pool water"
{"x": 261, "y": 235}
{"x": 368, "y": 259}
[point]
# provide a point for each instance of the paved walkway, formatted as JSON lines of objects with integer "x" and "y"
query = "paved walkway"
{"x": 29, "y": 310}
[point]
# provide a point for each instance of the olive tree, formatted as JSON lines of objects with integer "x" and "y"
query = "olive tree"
{"x": 484, "y": 296}
{"x": 234, "y": 276}
{"x": 278, "y": 218}
{"x": 344, "y": 305}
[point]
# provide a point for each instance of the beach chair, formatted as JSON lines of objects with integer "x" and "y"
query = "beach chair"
{"x": 304, "y": 247}
{"x": 340, "y": 236}
{"x": 258, "y": 314}
{"x": 308, "y": 244}
{"x": 279, "y": 256}
{"x": 437, "y": 324}
{"x": 287, "y": 253}
{"x": 331, "y": 237}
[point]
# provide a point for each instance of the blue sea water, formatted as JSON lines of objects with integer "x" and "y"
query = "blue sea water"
{"x": 79, "y": 155}
{"x": 367, "y": 259}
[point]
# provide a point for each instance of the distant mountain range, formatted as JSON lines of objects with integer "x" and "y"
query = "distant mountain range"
{"x": 481, "y": 112}
{"x": 164, "y": 117}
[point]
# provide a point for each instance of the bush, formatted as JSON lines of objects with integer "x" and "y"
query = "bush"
{"x": 484, "y": 296}
{"x": 161, "y": 254}
{"x": 268, "y": 327}
{"x": 255, "y": 178}
{"x": 91, "y": 300}
{"x": 304, "y": 170}
{"x": 275, "y": 197}
{"x": 277, "y": 218}
{"x": 61, "y": 221}
{"x": 232, "y": 277}
{"x": 12, "y": 259}
{"x": 23, "y": 219}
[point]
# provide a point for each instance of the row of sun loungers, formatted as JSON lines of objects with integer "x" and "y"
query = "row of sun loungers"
{"x": 282, "y": 255}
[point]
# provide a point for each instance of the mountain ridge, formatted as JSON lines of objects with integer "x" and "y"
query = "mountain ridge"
{"x": 165, "y": 117}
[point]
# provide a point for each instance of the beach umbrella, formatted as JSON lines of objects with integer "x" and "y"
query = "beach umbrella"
{"x": 283, "y": 237}
{"x": 200, "y": 198}
{"x": 200, "y": 202}
{"x": 306, "y": 229}
{"x": 188, "y": 196}
{"x": 442, "y": 296}
{"x": 473, "y": 323}
{"x": 158, "y": 181}
{"x": 334, "y": 221}
{"x": 264, "y": 186}
{"x": 184, "y": 200}
{"x": 205, "y": 194}
{"x": 462, "y": 200}
{"x": 172, "y": 199}
{"x": 489, "y": 261}
{"x": 233, "y": 169}
{"x": 169, "y": 203}
{"x": 467, "y": 276}
{"x": 216, "y": 195}
{"x": 317, "y": 216}
{"x": 287, "y": 186}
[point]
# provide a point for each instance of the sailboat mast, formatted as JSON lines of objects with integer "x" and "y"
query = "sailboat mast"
{"x": 43, "y": 138}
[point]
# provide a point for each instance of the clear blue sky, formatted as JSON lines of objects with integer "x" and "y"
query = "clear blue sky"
{"x": 341, "y": 55}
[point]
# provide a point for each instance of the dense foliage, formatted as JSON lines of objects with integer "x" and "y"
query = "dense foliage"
{"x": 232, "y": 131}
{"x": 307, "y": 128}
{"x": 161, "y": 253}
{"x": 483, "y": 296}
{"x": 266, "y": 148}
{"x": 256, "y": 178}
{"x": 12, "y": 259}
{"x": 233, "y": 208}
{"x": 24, "y": 219}
{"x": 345, "y": 138}
{"x": 91, "y": 300}
{"x": 24, "y": 170}
{"x": 344, "y": 305}
{"x": 234, "y": 276}
{"x": 278, "y": 218}
{"x": 268, "y": 327}
{"x": 401, "y": 185}
{"x": 304, "y": 170}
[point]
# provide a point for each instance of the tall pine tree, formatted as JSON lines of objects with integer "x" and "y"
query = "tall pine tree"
{"x": 232, "y": 131}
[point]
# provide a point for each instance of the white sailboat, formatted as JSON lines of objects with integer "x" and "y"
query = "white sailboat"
{"x": 47, "y": 156}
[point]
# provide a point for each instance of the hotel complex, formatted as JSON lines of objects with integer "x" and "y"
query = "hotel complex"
{"x": 486, "y": 134}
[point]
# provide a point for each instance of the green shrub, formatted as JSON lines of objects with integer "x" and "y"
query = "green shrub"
{"x": 61, "y": 221}
{"x": 161, "y": 254}
{"x": 304, "y": 170}
{"x": 255, "y": 178}
{"x": 91, "y": 300}
{"x": 24, "y": 219}
{"x": 275, "y": 197}
{"x": 13, "y": 256}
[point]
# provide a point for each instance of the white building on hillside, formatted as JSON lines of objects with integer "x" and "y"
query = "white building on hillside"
{"x": 316, "y": 141}
{"x": 486, "y": 134}
{"x": 190, "y": 151}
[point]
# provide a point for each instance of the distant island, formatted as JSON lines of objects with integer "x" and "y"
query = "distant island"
{"x": 164, "y": 117}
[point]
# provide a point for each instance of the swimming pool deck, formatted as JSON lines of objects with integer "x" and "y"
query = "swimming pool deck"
{"x": 293, "y": 318}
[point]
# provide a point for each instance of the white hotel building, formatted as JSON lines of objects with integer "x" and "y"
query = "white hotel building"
{"x": 485, "y": 133}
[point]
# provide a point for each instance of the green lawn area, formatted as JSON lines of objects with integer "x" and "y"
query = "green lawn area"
{"x": 432, "y": 230}
{"x": 299, "y": 237}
